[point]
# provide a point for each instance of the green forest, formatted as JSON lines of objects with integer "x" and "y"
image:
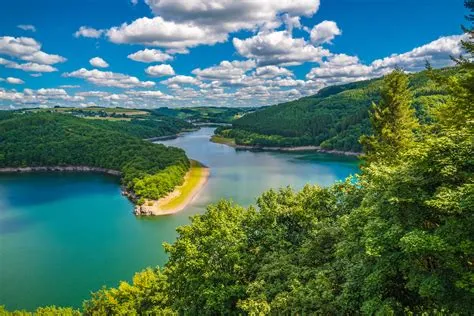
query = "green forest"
{"x": 335, "y": 118}
{"x": 30, "y": 139}
{"x": 395, "y": 239}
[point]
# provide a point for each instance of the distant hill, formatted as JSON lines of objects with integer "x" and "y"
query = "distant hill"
{"x": 334, "y": 118}
{"x": 204, "y": 114}
{"x": 135, "y": 122}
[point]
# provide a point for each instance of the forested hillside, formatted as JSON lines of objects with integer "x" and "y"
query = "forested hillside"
{"x": 140, "y": 123}
{"x": 335, "y": 118}
{"x": 206, "y": 114}
{"x": 50, "y": 139}
{"x": 150, "y": 127}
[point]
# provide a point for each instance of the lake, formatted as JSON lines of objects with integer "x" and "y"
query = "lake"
{"x": 63, "y": 235}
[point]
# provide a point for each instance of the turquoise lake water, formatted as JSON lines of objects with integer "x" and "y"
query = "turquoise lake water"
{"x": 64, "y": 235}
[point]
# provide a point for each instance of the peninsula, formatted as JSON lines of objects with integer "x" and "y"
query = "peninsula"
{"x": 194, "y": 181}
{"x": 58, "y": 142}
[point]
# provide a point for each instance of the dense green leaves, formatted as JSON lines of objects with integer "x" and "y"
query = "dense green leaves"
{"x": 397, "y": 239}
{"x": 147, "y": 295}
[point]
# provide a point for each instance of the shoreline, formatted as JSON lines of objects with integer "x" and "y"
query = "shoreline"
{"x": 231, "y": 143}
{"x": 139, "y": 210}
{"x": 164, "y": 206}
{"x": 60, "y": 169}
{"x": 170, "y": 137}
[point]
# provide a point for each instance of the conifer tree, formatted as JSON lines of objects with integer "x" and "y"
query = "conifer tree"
{"x": 393, "y": 120}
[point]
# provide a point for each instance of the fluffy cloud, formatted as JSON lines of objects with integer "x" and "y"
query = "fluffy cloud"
{"x": 149, "y": 94}
{"x": 438, "y": 53}
{"x": 324, "y": 32}
{"x": 178, "y": 80}
{"x": 27, "y": 27}
{"x": 93, "y": 94}
{"x": 226, "y": 70}
{"x": 44, "y": 58}
{"x": 160, "y": 70}
{"x": 343, "y": 68}
{"x": 18, "y": 46}
{"x": 181, "y": 24}
{"x": 28, "y": 49}
{"x": 273, "y": 71}
{"x": 30, "y": 67}
{"x": 90, "y": 32}
{"x": 279, "y": 48}
{"x": 13, "y": 80}
{"x": 41, "y": 97}
{"x": 150, "y": 56}
{"x": 109, "y": 79}
{"x": 226, "y": 16}
{"x": 98, "y": 62}
{"x": 158, "y": 32}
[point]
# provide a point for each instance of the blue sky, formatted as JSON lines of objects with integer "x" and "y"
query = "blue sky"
{"x": 212, "y": 52}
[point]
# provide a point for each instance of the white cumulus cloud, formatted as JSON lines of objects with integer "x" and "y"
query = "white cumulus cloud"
{"x": 13, "y": 80}
{"x": 30, "y": 67}
{"x": 342, "y": 68}
{"x": 28, "y": 49}
{"x": 180, "y": 79}
{"x": 226, "y": 70}
{"x": 90, "y": 32}
{"x": 324, "y": 32}
{"x": 182, "y": 24}
{"x": 109, "y": 79}
{"x": 98, "y": 62}
{"x": 279, "y": 48}
{"x": 150, "y": 56}
{"x": 160, "y": 70}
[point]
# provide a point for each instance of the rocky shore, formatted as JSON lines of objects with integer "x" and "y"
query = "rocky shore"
{"x": 287, "y": 149}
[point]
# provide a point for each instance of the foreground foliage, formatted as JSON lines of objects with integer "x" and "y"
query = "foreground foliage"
{"x": 49, "y": 139}
{"x": 397, "y": 239}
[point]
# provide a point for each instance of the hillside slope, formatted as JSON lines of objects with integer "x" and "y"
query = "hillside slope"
{"x": 335, "y": 118}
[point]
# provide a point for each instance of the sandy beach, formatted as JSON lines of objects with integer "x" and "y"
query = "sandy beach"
{"x": 176, "y": 201}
